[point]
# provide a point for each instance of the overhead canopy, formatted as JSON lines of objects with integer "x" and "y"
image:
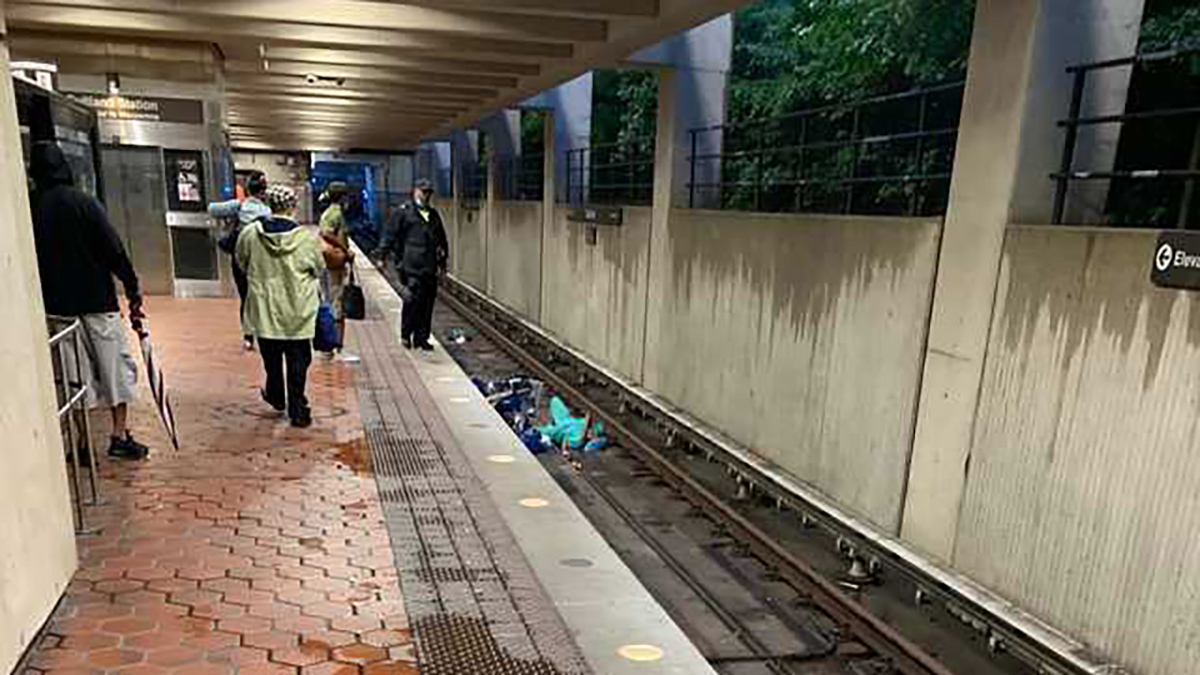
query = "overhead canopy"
{"x": 350, "y": 73}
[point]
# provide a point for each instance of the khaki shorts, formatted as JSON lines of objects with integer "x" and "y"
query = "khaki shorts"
{"x": 108, "y": 366}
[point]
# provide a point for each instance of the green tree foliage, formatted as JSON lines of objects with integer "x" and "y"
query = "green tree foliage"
{"x": 792, "y": 54}
{"x": 1169, "y": 24}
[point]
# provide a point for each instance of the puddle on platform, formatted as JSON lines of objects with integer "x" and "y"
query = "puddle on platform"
{"x": 354, "y": 455}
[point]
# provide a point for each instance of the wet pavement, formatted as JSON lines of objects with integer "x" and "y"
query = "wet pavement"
{"x": 256, "y": 548}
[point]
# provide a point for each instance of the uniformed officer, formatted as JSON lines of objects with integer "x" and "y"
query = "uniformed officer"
{"x": 416, "y": 240}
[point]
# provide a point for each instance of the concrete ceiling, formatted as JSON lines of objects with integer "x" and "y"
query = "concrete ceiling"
{"x": 350, "y": 73}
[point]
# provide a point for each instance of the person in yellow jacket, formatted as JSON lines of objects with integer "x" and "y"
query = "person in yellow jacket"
{"x": 283, "y": 265}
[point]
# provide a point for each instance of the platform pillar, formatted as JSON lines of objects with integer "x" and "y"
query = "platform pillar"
{"x": 1008, "y": 145}
{"x": 37, "y": 544}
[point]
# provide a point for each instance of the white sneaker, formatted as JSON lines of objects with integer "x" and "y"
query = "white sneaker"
{"x": 343, "y": 357}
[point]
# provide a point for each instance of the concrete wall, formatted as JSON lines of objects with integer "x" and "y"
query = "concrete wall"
{"x": 470, "y": 247}
{"x": 1081, "y": 500}
{"x": 801, "y": 337}
{"x": 594, "y": 297}
{"x": 515, "y": 244}
{"x": 37, "y": 543}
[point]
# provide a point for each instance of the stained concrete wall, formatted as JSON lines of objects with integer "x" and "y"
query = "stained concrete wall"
{"x": 1081, "y": 500}
{"x": 37, "y": 543}
{"x": 471, "y": 246}
{"x": 801, "y": 337}
{"x": 594, "y": 296}
{"x": 515, "y": 246}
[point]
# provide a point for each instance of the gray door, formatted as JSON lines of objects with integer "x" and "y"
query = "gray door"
{"x": 135, "y": 192}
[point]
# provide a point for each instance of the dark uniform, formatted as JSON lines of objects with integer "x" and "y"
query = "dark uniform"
{"x": 416, "y": 241}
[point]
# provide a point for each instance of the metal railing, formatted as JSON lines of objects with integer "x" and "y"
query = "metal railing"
{"x": 884, "y": 155}
{"x": 619, "y": 173}
{"x": 72, "y": 391}
{"x": 521, "y": 177}
{"x": 1076, "y": 121}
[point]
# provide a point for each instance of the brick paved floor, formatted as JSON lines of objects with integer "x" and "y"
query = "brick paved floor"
{"x": 256, "y": 548}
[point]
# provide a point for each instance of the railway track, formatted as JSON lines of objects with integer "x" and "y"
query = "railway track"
{"x": 693, "y": 524}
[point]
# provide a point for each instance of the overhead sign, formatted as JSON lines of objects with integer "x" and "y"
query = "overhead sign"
{"x": 143, "y": 108}
{"x": 1177, "y": 260}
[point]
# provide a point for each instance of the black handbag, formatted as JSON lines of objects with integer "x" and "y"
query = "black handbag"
{"x": 354, "y": 303}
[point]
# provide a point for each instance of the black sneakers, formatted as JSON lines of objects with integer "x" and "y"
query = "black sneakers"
{"x": 127, "y": 448}
{"x": 407, "y": 342}
{"x": 425, "y": 346}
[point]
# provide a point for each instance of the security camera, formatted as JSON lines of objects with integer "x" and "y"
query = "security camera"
{"x": 341, "y": 82}
{"x": 310, "y": 78}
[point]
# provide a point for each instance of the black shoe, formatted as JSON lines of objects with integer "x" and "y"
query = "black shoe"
{"x": 407, "y": 342}
{"x": 279, "y": 407}
{"x": 424, "y": 346}
{"x": 127, "y": 448}
{"x": 302, "y": 421}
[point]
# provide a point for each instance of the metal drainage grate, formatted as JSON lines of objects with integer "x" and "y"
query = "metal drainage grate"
{"x": 474, "y": 603}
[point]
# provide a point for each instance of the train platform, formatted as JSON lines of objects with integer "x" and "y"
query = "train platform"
{"x": 407, "y": 531}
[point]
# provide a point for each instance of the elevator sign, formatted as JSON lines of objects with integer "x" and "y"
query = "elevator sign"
{"x": 1177, "y": 260}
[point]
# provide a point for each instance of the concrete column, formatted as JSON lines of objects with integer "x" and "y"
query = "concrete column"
{"x": 571, "y": 107}
{"x": 702, "y": 58}
{"x": 1007, "y": 148}
{"x": 37, "y": 543}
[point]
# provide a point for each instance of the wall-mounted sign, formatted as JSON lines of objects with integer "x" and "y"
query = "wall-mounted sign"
{"x": 185, "y": 180}
{"x": 598, "y": 215}
{"x": 1177, "y": 260}
{"x": 143, "y": 108}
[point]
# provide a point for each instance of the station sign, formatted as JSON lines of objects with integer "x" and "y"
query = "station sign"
{"x": 612, "y": 216}
{"x": 142, "y": 108}
{"x": 1177, "y": 260}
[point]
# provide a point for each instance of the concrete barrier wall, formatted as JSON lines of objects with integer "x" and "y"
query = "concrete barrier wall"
{"x": 801, "y": 337}
{"x": 594, "y": 296}
{"x": 470, "y": 246}
{"x": 514, "y": 249}
{"x": 1082, "y": 499}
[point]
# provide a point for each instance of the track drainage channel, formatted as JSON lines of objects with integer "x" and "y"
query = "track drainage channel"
{"x": 474, "y": 604}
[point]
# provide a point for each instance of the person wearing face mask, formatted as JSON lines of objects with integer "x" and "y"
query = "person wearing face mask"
{"x": 416, "y": 241}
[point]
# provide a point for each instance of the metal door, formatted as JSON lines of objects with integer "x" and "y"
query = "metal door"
{"x": 135, "y": 193}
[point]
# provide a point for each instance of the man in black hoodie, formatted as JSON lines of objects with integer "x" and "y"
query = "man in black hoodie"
{"x": 78, "y": 253}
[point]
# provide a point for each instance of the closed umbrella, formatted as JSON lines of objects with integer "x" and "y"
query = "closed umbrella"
{"x": 158, "y": 386}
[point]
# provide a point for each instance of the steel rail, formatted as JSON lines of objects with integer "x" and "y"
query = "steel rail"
{"x": 906, "y": 656}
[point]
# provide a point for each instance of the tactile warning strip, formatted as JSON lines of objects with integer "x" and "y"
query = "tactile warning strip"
{"x": 472, "y": 600}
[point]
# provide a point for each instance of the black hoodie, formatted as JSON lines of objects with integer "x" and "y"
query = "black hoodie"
{"x": 78, "y": 250}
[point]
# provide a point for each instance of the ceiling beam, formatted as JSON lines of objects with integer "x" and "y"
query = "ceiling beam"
{"x": 340, "y": 57}
{"x": 365, "y": 14}
{"x": 89, "y": 20}
{"x": 612, "y": 9}
{"x": 176, "y": 71}
{"x": 371, "y": 74}
{"x": 395, "y": 102}
{"x": 47, "y": 45}
{"x": 269, "y": 100}
{"x": 366, "y": 88}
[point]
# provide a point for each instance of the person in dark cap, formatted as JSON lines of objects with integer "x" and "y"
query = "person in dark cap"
{"x": 335, "y": 235}
{"x": 416, "y": 240}
{"x": 78, "y": 254}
